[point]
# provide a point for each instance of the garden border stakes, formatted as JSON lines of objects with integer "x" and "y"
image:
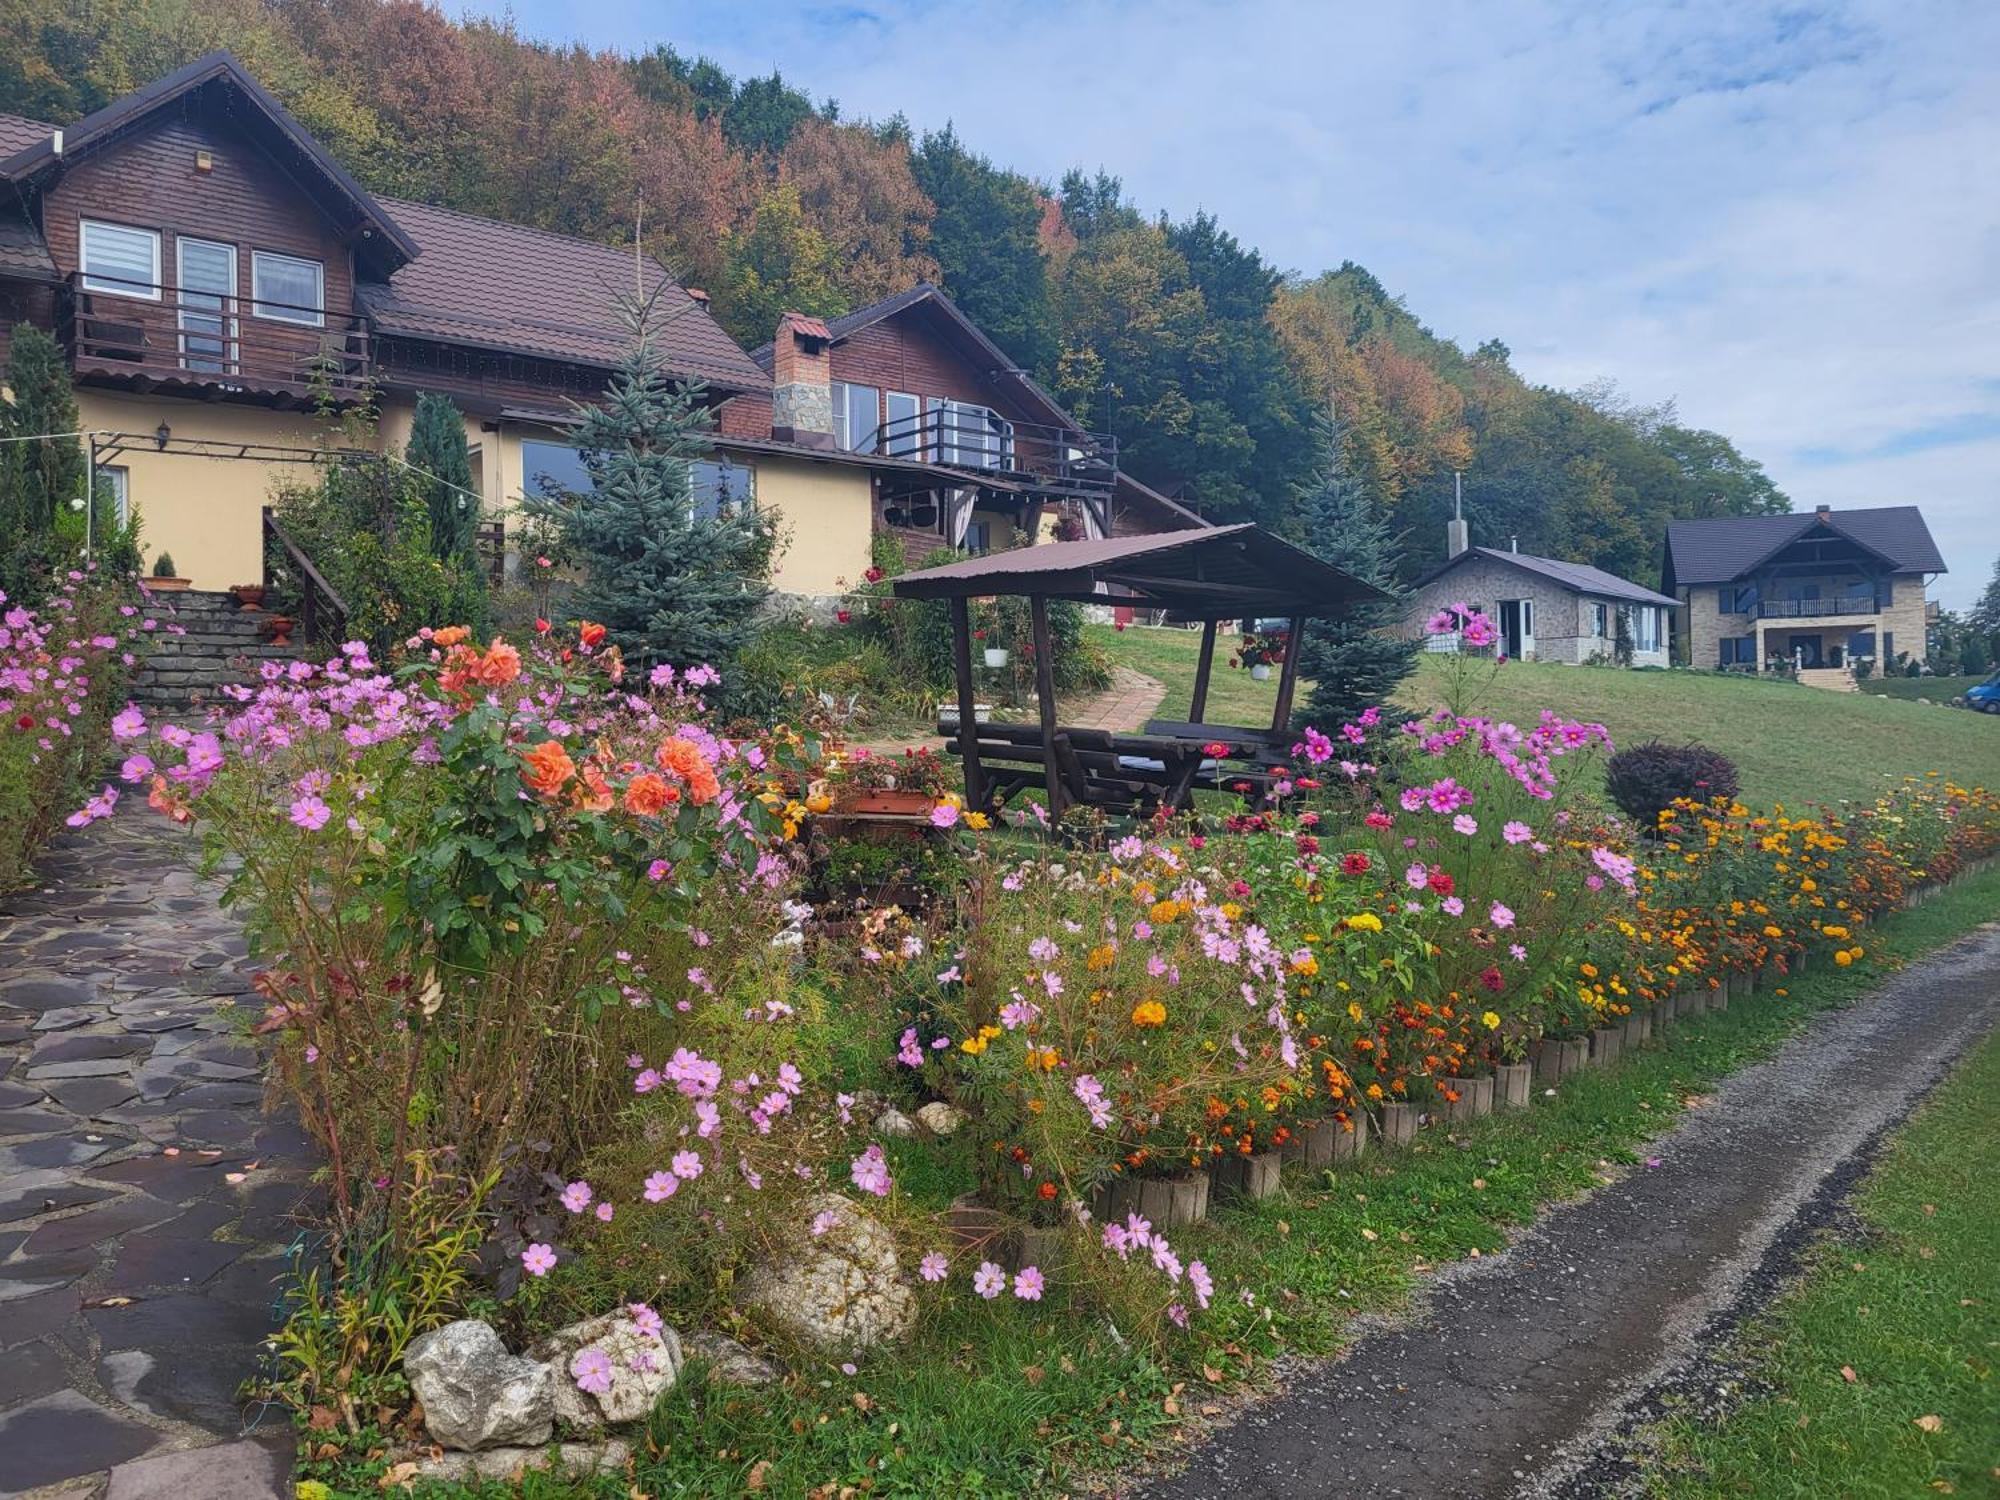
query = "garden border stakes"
{"x": 1399, "y": 1123}
{"x": 1513, "y": 1085}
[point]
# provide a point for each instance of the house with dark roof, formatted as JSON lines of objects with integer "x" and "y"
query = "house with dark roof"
{"x": 219, "y": 284}
{"x": 1546, "y": 609}
{"x": 1821, "y": 589}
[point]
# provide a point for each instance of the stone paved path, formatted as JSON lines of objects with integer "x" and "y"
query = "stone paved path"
{"x": 1124, "y": 707}
{"x": 146, "y": 1200}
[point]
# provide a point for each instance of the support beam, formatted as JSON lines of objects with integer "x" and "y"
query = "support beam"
{"x": 1288, "y": 675}
{"x": 1045, "y": 697}
{"x": 968, "y": 728}
{"x": 1203, "y": 668}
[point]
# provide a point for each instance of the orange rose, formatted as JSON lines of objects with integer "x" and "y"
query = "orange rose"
{"x": 499, "y": 666}
{"x": 683, "y": 758}
{"x": 647, "y": 796}
{"x": 593, "y": 792}
{"x": 547, "y": 768}
{"x": 450, "y": 636}
{"x": 590, "y": 633}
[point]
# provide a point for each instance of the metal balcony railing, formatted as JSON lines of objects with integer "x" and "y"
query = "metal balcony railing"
{"x": 147, "y": 335}
{"x": 1062, "y": 460}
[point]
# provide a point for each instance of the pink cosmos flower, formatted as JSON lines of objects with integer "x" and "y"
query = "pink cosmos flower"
{"x": 644, "y": 1320}
{"x": 661, "y": 1186}
{"x": 576, "y": 1197}
{"x": 538, "y": 1260}
{"x": 687, "y": 1165}
{"x": 1028, "y": 1284}
{"x": 944, "y": 815}
{"x": 1500, "y": 915}
{"x": 870, "y": 1172}
{"x": 934, "y": 1267}
{"x": 1452, "y": 906}
{"x": 591, "y": 1369}
{"x": 1179, "y": 1314}
{"x": 1519, "y": 952}
{"x": 989, "y": 1280}
{"x": 1202, "y": 1283}
{"x": 604, "y": 1213}
{"x": 128, "y": 723}
{"x": 1517, "y": 832}
{"x": 310, "y": 813}
{"x": 1466, "y": 824}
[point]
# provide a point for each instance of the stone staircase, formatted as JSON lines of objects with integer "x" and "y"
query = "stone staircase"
{"x": 219, "y": 642}
{"x": 1834, "y": 679}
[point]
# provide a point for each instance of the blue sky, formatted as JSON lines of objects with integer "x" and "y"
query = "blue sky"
{"x": 1786, "y": 218}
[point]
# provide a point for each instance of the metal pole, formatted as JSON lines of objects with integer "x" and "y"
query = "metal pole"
{"x": 90, "y": 499}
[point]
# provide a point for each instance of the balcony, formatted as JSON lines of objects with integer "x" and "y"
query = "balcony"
{"x": 1054, "y": 460}
{"x": 149, "y": 337}
{"x": 1816, "y": 609}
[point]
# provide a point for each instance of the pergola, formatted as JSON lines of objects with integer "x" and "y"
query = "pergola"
{"x": 1209, "y": 575}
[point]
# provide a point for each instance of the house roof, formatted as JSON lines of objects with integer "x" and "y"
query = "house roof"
{"x": 1131, "y": 490}
{"x": 924, "y": 294}
{"x": 17, "y": 133}
{"x": 380, "y": 240}
{"x": 1716, "y": 549}
{"x": 506, "y": 287}
{"x": 1217, "y": 571}
{"x": 1580, "y": 578}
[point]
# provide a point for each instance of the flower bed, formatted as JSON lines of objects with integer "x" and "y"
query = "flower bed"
{"x": 541, "y": 985}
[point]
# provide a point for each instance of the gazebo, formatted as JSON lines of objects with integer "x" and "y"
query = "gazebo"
{"x": 1208, "y": 575}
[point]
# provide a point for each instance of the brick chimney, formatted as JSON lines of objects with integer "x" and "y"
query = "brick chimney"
{"x": 802, "y": 382}
{"x": 1823, "y": 511}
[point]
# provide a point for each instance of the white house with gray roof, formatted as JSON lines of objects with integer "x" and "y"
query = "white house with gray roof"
{"x": 1546, "y": 609}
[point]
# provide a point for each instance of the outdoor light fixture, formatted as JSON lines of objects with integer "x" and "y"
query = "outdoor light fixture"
{"x": 162, "y": 435}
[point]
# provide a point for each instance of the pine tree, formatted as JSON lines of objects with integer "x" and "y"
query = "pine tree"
{"x": 438, "y": 452}
{"x": 1985, "y": 615}
{"x": 669, "y": 584}
{"x": 1354, "y": 661}
{"x": 39, "y": 477}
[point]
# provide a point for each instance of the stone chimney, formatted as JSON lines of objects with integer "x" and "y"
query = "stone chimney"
{"x": 802, "y": 382}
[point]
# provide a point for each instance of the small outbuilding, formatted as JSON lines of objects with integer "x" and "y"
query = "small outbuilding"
{"x": 1205, "y": 577}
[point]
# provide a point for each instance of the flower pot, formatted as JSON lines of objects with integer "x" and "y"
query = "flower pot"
{"x": 1261, "y": 672}
{"x": 249, "y": 595}
{"x": 1353, "y": 1137}
{"x": 1576, "y": 1056}
{"x": 166, "y": 585}
{"x": 1547, "y": 1057}
{"x": 891, "y": 802}
{"x": 1168, "y": 1202}
{"x": 278, "y": 630}
{"x": 1477, "y": 1097}
{"x": 1512, "y": 1083}
{"x": 996, "y": 656}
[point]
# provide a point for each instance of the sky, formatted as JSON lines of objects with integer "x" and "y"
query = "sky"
{"x": 1784, "y": 218}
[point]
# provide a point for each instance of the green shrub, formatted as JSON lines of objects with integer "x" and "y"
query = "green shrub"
{"x": 1648, "y": 779}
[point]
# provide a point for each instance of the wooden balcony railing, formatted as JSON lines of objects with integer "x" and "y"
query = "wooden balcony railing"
{"x": 1061, "y": 460}
{"x": 148, "y": 336}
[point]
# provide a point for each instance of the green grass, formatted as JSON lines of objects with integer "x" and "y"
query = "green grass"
{"x": 1791, "y": 744}
{"x": 1896, "y": 1321}
{"x": 1006, "y": 1399}
{"x": 1169, "y": 656}
{"x": 1937, "y": 689}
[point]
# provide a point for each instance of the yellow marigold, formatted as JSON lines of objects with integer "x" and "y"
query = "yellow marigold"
{"x": 1365, "y": 921}
{"x": 978, "y": 821}
{"x": 1306, "y": 965}
{"x": 1843, "y": 958}
{"x": 1773, "y": 931}
{"x": 1149, "y": 1013}
{"x": 1232, "y": 911}
{"x": 1491, "y": 1020}
{"x": 1103, "y": 956}
{"x": 1164, "y": 911}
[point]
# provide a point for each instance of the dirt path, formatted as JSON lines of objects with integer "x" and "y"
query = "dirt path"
{"x": 1522, "y": 1365}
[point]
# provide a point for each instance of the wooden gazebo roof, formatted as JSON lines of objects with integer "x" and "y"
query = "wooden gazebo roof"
{"x": 1226, "y": 571}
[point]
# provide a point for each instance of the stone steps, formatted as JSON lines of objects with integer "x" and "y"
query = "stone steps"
{"x": 206, "y": 641}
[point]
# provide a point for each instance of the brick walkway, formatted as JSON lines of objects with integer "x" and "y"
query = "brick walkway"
{"x": 146, "y": 1200}
{"x": 1124, "y": 707}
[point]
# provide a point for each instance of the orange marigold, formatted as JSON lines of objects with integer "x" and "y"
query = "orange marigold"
{"x": 590, "y": 632}
{"x": 547, "y": 768}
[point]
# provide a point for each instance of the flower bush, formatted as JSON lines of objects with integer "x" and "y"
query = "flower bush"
{"x": 63, "y": 669}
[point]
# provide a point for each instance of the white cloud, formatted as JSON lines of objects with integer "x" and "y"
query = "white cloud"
{"x": 1782, "y": 217}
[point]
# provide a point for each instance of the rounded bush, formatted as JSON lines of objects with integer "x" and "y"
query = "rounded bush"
{"x": 1647, "y": 779}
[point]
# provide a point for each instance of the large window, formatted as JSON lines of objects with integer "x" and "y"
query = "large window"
{"x": 1739, "y": 651}
{"x": 715, "y": 484}
{"x": 286, "y": 289}
{"x": 857, "y": 415}
{"x": 119, "y": 259}
{"x": 903, "y": 435}
{"x": 720, "y": 485}
{"x": 551, "y": 469}
{"x": 970, "y": 434}
{"x": 1646, "y": 628}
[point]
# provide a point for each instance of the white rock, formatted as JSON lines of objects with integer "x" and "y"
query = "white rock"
{"x": 728, "y": 1361}
{"x": 506, "y": 1464}
{"x": 475, "y": 1394}
{"x": 893, "y": 1121}
{"x": 842, "y": 1290}
{"x": 940, "y": 1118}
{"x": 642, "y": 1368}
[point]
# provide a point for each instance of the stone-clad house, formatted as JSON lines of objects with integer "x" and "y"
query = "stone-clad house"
{"x": 1546, "y": 609}
{"x": 1816, "y": 590}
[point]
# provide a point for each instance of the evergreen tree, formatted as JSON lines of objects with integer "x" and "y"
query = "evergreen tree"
{"x": 438, "y": 452}
{"x": 38, "y": 478}
{"x": 1354, "y": 661}
{"x": 1985, "y": 615}
{"x": 671, "y": 584}
{"x": 987, "y": 244}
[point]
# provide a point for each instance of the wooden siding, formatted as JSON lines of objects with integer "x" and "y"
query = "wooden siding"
{"x": 902, "y": 354}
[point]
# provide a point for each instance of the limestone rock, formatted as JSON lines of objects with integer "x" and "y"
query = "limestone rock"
{"x": 476, "y": 1394}
{"x": 892, "y": 1121}
{"x": 940, "y": 1118}
{"x": 729, "y": 1362}
{"x": 506, "y": 1464}
{"x": 842, "y": 1290}
{"x": 642, "y": 1368}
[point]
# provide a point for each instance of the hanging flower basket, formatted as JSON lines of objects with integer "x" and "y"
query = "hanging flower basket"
{"x": 1259, "y": 671}
{"x": 996, "y": 656}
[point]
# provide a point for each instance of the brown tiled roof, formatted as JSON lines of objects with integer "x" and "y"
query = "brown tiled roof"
{"x": 18, "y": 134}
{"x": 548, "y": 296}
{"x": 812, "y": 328}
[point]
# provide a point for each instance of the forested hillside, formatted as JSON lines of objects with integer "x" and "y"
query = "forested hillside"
{"x": 1204, "y": 358}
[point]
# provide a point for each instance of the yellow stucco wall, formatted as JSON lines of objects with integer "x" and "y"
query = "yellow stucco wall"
{"x": 825, "y": 518}
{"x": 206, "y": 511}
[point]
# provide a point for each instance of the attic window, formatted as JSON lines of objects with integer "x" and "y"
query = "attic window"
{"x": 119, "y": 259}
{"x": 287, "y": 289}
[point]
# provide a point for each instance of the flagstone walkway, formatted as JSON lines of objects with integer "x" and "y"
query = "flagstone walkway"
{"x": 146, "y": 1199}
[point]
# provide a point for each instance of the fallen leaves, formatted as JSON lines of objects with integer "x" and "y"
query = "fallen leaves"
{"x": 1930, "y": 1422}
{"x": 1847, "y": 1374}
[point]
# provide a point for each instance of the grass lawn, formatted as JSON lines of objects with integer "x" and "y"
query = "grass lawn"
{"x": 1937, "y": 689}
{"x": 1791, "y": 744}
{"x": 1876, "y": 1376}
{"x": 1014, "y": 1399}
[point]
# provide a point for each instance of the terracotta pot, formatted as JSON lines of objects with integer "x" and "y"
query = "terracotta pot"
{"x": 249, "y": 595}
{"x": 278, "y": 630}
{"x": 890, "y": 801}
{"x": 166, "y": 585}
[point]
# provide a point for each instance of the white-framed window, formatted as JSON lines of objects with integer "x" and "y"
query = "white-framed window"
{"x": 205, "y": 271}
{"x": 287, "y": 288}
{"x": 1646, "y": 628}
{"x": 119, "y": 259}
{"x": 856, "y": 416}
{"x": 114, "y": 487}
{"x": 904, "y": 435}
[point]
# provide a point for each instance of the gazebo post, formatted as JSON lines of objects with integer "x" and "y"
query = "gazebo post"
{"x": 1202, "y": 668}
{"x": 968, "y": 728}
{"x": 1288, "y": 675}
{"x": 1045, "y": 696}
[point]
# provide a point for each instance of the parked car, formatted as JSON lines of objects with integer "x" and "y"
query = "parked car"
{"x": 1984, "y": 696}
